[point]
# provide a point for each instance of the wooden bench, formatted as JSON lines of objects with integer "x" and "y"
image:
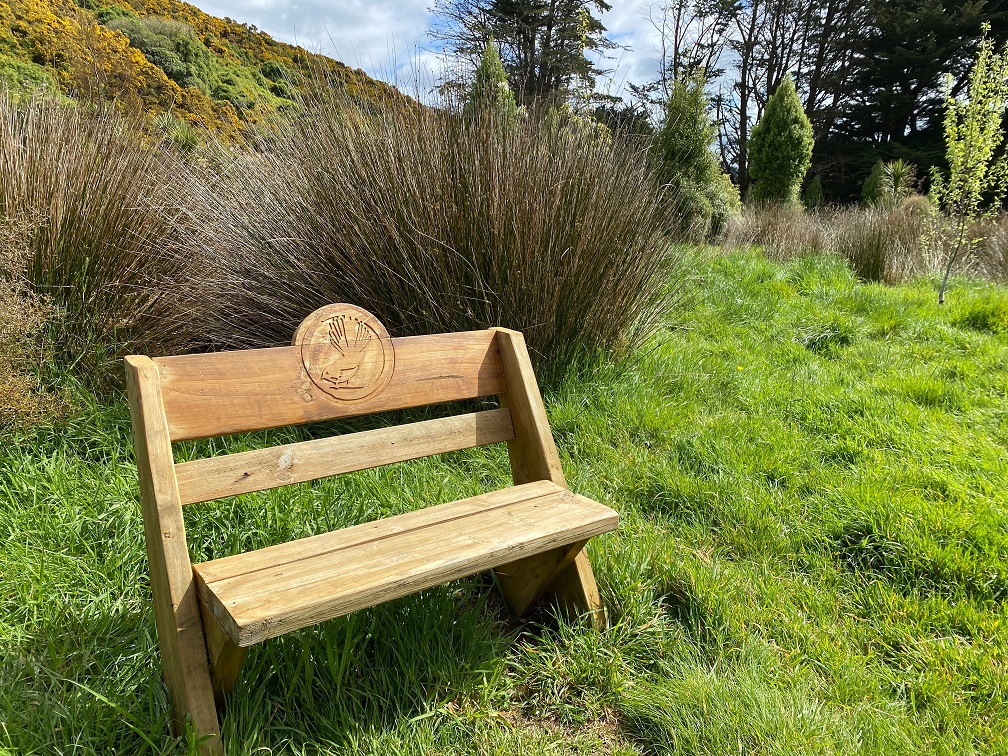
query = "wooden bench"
{"x": 343, "y": 364}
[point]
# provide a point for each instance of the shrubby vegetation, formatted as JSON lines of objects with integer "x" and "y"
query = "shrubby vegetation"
{"x": 889, "y": 183}
{"x": 871, "y": 190}
{"x": 433, "y": 221}
{"x": 885, "y": 244}
{"x": 101, "y": 213}
{"x": 174, "y": 48}
{"x": 25, "y": 341}
{"x": 685, "y": 166}
{"x": 213, "y": 73}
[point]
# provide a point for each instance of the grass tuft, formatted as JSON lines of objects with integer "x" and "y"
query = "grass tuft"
{"x": 100, "y": 202}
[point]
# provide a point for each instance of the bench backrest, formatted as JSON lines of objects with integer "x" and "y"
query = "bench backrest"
{"x": 342, "y": 364}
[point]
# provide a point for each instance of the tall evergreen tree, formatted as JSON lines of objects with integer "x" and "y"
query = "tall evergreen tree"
{"x": 490, "y": 90}
{"x": 686, "y": 167}
{"x": 886, "y": 102}
{"x": 781, "y": 148}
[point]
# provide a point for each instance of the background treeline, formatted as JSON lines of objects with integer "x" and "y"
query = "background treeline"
{"x": 869, "y": 74}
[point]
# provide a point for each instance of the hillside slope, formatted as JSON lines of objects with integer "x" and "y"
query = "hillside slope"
{"x": 161, "y": 56}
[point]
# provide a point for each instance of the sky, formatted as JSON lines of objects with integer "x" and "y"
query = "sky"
{"x": 388, "y": 38}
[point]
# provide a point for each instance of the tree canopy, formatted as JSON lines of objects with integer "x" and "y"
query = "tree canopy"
{"x": 546, "y": 46}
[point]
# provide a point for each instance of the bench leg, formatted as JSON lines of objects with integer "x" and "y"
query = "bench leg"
{"x": 176, "y": 606}
{"x": 576, "y": 592}
{"x": 184, "y": 662}
{"x": 225, "y": 656}
{"x": 562, "y": 575}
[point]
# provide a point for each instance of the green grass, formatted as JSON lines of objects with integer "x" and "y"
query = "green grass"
{"x": 812, "y": 476}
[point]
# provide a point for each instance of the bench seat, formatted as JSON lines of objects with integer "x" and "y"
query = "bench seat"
{"x": 266, "y": 593}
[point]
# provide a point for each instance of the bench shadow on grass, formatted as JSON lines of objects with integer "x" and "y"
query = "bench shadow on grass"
{"x": 369, "y": 670}
{"x": 94, "y": 682}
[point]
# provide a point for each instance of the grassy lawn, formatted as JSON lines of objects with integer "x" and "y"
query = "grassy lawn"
{"x": 812, "y": 476}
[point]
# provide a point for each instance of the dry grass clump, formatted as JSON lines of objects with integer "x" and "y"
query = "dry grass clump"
{"x": 881, "y": 244}
{"x": 437, "y": 223}
{"x": 890, "y": 245}
{"x": 992, "y": 253}
{"x": 103, "y": 198}
{"x": 24, "y": 401}
{"x": 784, "y": 231}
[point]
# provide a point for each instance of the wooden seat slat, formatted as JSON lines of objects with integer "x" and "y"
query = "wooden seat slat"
{"x": 215, "y": 477}
{"x": 272, "y": 591}
{"x": 234, "y": 392}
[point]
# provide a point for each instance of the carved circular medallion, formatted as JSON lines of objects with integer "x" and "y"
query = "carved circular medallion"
{"x": 346, "y": 352}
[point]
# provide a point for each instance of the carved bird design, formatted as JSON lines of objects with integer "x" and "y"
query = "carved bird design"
{"x": 351, "y": 349}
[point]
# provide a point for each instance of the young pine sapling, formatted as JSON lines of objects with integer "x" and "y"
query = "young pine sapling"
{"x": 978, "y": 168}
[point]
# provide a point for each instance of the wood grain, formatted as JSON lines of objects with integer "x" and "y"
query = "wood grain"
{"x": 233, "y": 392}
{"x": 224, "y": 655}
{"x": 534, "y": 456}
{"x": 272, "y": 591}
{"x": 215, "y": 477}
{"x": 533, "y": 452}
{"x": 176, "y": 607}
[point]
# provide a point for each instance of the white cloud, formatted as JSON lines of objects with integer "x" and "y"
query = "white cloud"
{"x": 388, "y": 38}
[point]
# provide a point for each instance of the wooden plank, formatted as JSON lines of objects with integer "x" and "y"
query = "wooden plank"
{"x": 259, "y": 595}
{"x": 305, "y": 548}
{"x": 225, "y": 656}
{"x": 533, "y": 453}
{"x": 215, "y": 477}
{"x": 534, "y": 456}
{"x": 233, "y": 392}
{"x": 176, "y": 607}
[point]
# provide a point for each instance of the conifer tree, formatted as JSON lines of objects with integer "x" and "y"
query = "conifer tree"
{"x": 490, "y": 90}
{"x": 685, "y": 165}
{"x": 549, "y": 49}
{"x": 780, "y": 149}
{"x": 814, "y": 198}
{"x": 871, "y": 189}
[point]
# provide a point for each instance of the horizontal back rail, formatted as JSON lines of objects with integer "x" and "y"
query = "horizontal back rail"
{"x": 244, "y": 472}
{"x": 234, "y": 392}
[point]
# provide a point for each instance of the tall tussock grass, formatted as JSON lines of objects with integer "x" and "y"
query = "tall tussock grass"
{"x": 99, "y": 199}
{"x": 435, "y": 222}
{"x": 881, "y": 244}
{"x": 992, "y": 251}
